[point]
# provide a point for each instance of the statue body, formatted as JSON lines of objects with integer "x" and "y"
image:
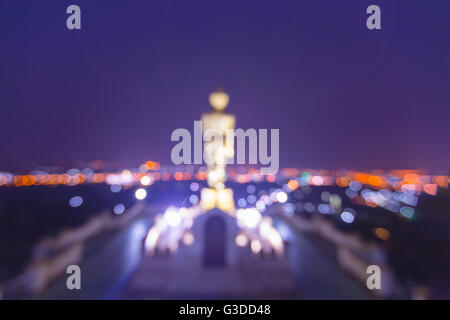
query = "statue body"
{"x": 220, "y": 149}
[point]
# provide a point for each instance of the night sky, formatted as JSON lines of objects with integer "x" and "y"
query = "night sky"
{"x": 341, "y": 95}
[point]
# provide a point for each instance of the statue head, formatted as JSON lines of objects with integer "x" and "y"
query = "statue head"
{"x": 219, "y": 99}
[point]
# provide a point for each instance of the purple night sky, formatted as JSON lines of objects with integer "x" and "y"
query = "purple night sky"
{"x": 341, "y": 95}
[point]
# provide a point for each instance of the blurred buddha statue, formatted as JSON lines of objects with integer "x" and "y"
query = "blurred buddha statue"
{"x": 218, "y": 147}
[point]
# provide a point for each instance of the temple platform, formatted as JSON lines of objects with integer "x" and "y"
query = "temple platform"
{"x": 197, "y": 272}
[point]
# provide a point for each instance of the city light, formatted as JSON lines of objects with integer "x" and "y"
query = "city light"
{"x": 188, "y": 238}
{"x": 146, "y": 180}
{"x": 241, "y": 240}
{"x": 193, "y": 199}
{"x": 140, "y": 194}
{"x": 348, "y": 216}
{"x": 119, "y": 208}
{"x": 116, "y": 188}
{"x": 255, "y": 246}
{"x": 173, "y": 217}
{"x": 282, "y": 197}
{"x": 76, "y": 201}
{"x": 248, "y": 217}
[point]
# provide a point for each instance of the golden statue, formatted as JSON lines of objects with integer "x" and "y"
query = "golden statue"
{"x": 220, "y": 147}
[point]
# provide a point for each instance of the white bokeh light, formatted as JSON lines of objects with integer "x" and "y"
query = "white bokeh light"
{"x": 140, "y": 194}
